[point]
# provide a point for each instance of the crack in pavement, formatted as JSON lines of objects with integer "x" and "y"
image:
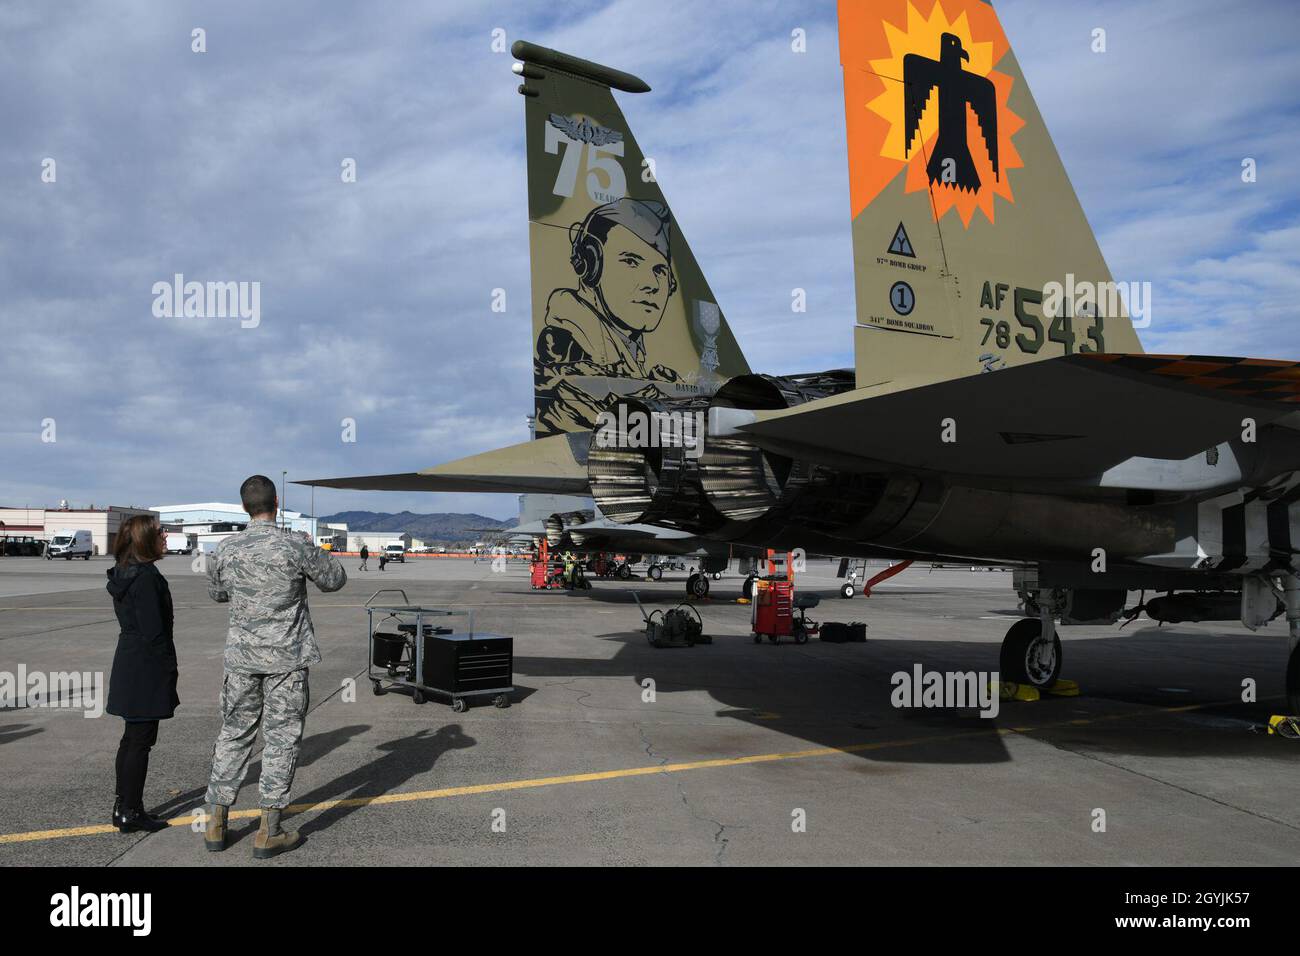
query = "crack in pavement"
{"x": 720, "y": 841}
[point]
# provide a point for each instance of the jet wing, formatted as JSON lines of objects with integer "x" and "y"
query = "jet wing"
{"x": 553, "y": 465}
{"x": 527, "y": 528}
{"x": 615, "y": 530}
{"x": 1068, "y": 417}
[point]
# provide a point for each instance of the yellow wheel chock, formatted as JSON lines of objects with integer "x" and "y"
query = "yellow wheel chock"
{"x": 1008, "y": 690}
{"x": 1064, "y": 688}
{"x": 1281, "y": 725}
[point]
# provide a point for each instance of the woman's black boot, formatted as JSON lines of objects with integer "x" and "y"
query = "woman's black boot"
{"x": 138, "y": 821}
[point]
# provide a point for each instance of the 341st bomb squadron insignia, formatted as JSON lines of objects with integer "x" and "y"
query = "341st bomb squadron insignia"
{"x": 951, "y": 160}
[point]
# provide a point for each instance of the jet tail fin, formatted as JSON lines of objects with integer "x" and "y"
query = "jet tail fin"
{"x": 965, "y": 223}
{"x": 620, "y": 306}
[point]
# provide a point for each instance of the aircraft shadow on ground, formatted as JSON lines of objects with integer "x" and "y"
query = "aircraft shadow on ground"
{"x": 1167, "y": 668}
{"x": 838, "y": 695}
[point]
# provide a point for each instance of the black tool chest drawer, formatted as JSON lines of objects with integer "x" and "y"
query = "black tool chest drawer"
{"x": 464, "y": 663}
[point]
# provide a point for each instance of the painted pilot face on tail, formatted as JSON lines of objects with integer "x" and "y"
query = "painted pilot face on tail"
{"x": 597, "y": 330}
{"x": 622, "y": 258}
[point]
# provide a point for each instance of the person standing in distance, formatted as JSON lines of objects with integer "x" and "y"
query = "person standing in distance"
{"x": 262, "y": 572}
{"x": 365, "y": 556}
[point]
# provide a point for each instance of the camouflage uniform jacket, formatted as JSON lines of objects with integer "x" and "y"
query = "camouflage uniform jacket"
{"x": 262, "y": 572}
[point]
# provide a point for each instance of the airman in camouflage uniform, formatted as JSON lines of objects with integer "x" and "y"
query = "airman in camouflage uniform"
{"x": 262, "y": 572}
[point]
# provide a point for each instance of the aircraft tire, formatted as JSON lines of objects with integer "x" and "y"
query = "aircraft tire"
{"x": 654, "y": 573}
{"x": 1293, "y": 682}
{"x": 1016, "y": 665}
{"x": 747, "y": 589}
{"x": 847, "y": 591}
{"x": 697, "y": 586}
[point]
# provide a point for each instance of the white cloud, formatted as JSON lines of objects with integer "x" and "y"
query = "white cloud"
{"x": 376, "y": 294}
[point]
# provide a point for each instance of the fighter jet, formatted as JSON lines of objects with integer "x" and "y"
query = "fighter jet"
{"x": 575, "y": 523}
{"x": 1000, "y": 409}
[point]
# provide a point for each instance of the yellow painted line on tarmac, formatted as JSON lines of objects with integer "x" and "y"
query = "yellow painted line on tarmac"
{"x": 568, "y": 779}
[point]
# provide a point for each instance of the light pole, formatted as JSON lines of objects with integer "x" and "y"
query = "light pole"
{"x": 283, "y": 521}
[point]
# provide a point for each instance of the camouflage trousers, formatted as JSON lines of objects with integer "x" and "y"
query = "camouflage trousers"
{"x": 278, "y": 704}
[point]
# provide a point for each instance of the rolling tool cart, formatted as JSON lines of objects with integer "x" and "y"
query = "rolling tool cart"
{"x": 421, "y": 648}
{"x": 774, "y": 610}
{"x": 545, "y": 572}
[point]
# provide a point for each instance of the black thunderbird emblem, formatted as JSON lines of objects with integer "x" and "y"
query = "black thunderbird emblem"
{"x": 957, "y": 87}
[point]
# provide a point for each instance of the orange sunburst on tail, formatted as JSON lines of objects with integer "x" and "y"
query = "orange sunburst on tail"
{"x": 878, "y": 38}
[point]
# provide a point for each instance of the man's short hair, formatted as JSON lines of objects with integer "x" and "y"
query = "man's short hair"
{"x": 258, "y": 495}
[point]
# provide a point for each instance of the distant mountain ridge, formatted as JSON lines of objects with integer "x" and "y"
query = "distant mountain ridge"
{"x": 441, "y": 526}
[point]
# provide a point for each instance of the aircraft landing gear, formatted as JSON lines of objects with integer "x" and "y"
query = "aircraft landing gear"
{"x": 1029, "y": 656}
{"x": 1293, "y": 681}
{"x": 697, "y": 585}
{"x": 848, "y": 590}
{"x": 654, "y": 572}
{"x": 1291, "y": 598}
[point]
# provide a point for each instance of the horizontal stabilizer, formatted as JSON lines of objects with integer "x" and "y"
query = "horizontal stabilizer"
{"x": 614, "y": 529}
{"x": 1069, "y": 417}
{"x": 554, "y": 465}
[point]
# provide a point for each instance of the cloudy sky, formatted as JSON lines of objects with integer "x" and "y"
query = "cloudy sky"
{"x": 376, "y": 295}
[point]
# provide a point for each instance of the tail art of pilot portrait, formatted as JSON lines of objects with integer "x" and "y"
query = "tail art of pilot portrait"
{"x": 622, "y": 259}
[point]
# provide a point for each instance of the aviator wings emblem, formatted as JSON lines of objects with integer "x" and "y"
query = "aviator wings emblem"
{"x": 584, "y": 130}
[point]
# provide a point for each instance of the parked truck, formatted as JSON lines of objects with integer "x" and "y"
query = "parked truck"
{"x": 69, "y": 544}
{"x": 178, "y": 542}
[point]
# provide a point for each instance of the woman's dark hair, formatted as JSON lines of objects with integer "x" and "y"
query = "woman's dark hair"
{"x": 138, "y": 541}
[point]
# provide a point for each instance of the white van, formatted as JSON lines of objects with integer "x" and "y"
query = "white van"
{"x": 178, "y": 542}
{"x": 395, "y": 551}
{"x": 69, "y": 544}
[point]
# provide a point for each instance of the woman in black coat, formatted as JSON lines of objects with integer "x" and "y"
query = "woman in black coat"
{"x": 142, "y": 687}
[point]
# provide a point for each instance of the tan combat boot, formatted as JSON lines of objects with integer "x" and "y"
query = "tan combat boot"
{"x": 214, "y": 831}
{"x": 271, "y": 840}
